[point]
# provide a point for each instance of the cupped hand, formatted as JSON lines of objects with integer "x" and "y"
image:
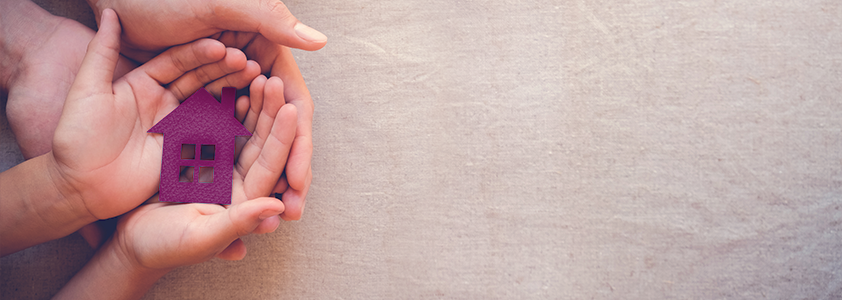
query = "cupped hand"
{"x": 168, "y": 235}
{"x": 149, "y": 27}
{"x": 279, "y": 62}
{"x": 101, "y": 149}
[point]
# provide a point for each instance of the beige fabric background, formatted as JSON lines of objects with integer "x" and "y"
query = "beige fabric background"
{"x": 547, "y": 149}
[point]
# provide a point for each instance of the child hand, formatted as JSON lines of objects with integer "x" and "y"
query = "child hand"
{"x": 163, "y": 236}
{"x": 101, "y": 148}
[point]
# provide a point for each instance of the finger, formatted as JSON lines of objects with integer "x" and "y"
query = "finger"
{"x": 92, "y": 234}
{"x": 294, "y": 201}
{"x": 296, "y": 93}
{"x": 241, "y": 108}
{"x": 233, "y": 62}
{"x": 263, "y": 175}
{"x": 97, "y": 70}
{"x": 262, "y": 124}
{"x": 238, "y": 80}
{"x": 240, "y": 219}
{"x": 273, "y": 96}
{"x": 256, "y": 102}
{"x": 272, "y": 19}
{"x": 235, "y": 251}
{"x": 298, "y": 164}
{"x": 268, "y": 225}
{"x": 281, "y": 186}
{"x": 175, "y": 62}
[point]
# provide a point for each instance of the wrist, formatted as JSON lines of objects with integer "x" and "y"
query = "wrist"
{"x": 63, "y": 187}
{"x": 121, "y": 258}
{"x": 111, "y": 274}
{"x": 40, "y": 207}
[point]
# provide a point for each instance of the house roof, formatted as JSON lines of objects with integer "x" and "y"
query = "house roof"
{"x": 202, "y": 114}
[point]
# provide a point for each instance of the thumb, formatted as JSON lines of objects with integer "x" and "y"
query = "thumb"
{"x": 96, "y": 73}
{"x": 273, "y": 20}
{"x": 242, "y": 219}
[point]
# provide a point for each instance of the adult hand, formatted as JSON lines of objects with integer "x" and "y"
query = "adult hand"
{"x": 152, "y": 26}
{"x": 44, "y": 52}
{"x": 101, "y": 147}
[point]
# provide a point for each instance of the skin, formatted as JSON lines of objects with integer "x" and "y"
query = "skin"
{"x": 39, "y": 47}
{"x": 103, "y": 163}
{"x": 263, "y": 29}
{"x": 158, "y": 237}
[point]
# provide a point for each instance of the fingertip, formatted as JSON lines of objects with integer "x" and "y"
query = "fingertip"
{"x": 281, "y": 186}
{"x": 235, "y": 251}
{"x": 108, "y": 34}
{"x": 274, "y": 85}
{"x": 108, "y": 15}
{"x": 235, "y": 59}
{"x": 294, "y": 202}
{"x": 268, "y": 225}
{"x": 253, "y": 67}
{"x": 241, "y": 107}
{"x": 250, "y": 73}
{"x": 315, "y": 40}
{"x": 289, "y": 112}
{"x": 299, "y": 172}
{"x": 213, "y": 50}
{"x": 97, "y": 70}
{"x": 257, "y": 85}
{"x": 273, "y": 96}
{"x": 256, "y": 91}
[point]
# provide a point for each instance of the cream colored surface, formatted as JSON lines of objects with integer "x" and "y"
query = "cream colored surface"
{"x": 549, "y": 149}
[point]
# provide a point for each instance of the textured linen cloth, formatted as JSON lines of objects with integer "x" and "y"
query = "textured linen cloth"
{"x": 546, "y": 149}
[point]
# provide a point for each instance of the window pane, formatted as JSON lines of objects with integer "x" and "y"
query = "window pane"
{"x": 206, "y": 174}
{"x": 185, "y": 174}
{"x": 188, "y": 151}
{"x": 208, "y": 152}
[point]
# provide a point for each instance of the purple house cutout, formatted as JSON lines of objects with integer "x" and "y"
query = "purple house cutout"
{"x": 198, "y": 159}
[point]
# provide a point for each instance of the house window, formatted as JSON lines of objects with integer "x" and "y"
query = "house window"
{"x": 188, "y": 151}
{"x": 208, "y": 152}
{"x": 185, "y": 174}
{"x": 206, "y": 174}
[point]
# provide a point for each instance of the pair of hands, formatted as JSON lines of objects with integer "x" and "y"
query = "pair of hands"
{"x": 263, "y": 29}
{"x": 106, "y": 159}
{"x": 53, "y": 53}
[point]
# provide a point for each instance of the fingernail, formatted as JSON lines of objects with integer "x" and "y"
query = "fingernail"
{"x": 309, "y": 34}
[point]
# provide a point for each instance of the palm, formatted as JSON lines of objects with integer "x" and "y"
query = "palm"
{"x": 110, "y": 148}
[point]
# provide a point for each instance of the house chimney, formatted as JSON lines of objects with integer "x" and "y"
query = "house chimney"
{"x": 229, "y": 95}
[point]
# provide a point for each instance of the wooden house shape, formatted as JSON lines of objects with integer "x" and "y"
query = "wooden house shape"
{"x": 197, "y": 164}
